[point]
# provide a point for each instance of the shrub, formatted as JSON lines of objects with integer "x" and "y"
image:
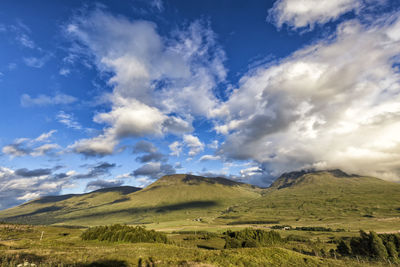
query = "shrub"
{"x": 251, "y": 238}
{"x": 372, "y": 245}
{"x": 124, "y": 233}
{"x": 343, "y": 248}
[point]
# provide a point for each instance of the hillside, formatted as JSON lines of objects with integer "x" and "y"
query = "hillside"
{"x": 171, "y": 198}
{"x": 329, "y": 198}
{"x": 325, "y": 198}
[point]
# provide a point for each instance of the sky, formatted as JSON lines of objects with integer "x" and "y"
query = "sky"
{"x": 97, "y": 94}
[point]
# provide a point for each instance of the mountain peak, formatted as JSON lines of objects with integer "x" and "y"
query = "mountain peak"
{"x": 291, "y": 178}
{"x": 189, "y": 179}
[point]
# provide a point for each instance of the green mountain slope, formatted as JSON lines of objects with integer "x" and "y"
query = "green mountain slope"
{"x": 324, "y": 197}
{"x": 171, "y": 198}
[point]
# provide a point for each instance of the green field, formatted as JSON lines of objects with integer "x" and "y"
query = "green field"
{"x": 63, "y": 247}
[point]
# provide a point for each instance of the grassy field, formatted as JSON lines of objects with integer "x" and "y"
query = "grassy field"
{"x": 63, "y": 247}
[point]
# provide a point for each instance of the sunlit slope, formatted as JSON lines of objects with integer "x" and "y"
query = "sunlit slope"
{"x": 46, "y": 210}
{"x": 171, "y": 198}
{"x": 326, "y": 196}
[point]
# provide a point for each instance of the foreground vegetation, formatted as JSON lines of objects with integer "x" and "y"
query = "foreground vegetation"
{"x": 60, "y": 246}
{"x": 124, "y": 233}
{"x": 383, "y": 247}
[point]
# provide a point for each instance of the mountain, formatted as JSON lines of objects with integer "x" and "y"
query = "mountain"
{"x": 325, "y": 197}
{"x": 297, "y": 177}
{"x": 172, "y": 197}
{"x": 330, "y": 197}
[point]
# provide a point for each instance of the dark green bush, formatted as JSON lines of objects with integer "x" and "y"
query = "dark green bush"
{"x": 251, "y": 238}
{"x": 372, "y": 245}
{"x": 124, "y": 233}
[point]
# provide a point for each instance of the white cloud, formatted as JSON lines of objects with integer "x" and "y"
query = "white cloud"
{"x": 176, "y": 148}
{"x": 214, "y": 144}
{"x": 17, "y": 186}
{"x": 68, "y": 120}
{"x": 158, "y": 4}
{"x": 209, "y": 157}
{"x": 194, "y": 144}
{"x": 44, "y": 149}
{"x": 333, "y": 104}
{"x": 44, "y": 136}
{"x": 25, "y": 40}
{"x": 152, "y": 76}
{"x": 98, "y": 146}
{"x": 45, "y": 100}
{"x": 36, "y": 62}
{"x": 251, "y": 171}
{"x": 27, "y": 146}
{"x": 64, "y": 72}
{"x": 307, "y": 13}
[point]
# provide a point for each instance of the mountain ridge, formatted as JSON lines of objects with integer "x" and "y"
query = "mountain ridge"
{"x": 180, "y": 198}
{"x": 291, "y": 178}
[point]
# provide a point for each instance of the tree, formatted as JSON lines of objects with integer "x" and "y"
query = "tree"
{"x": 343, "y": 249}
{"x": 378, "y": 250}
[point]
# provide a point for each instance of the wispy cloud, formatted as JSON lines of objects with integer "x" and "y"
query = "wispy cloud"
{"x": 68, "y": 120}
{"x": 45, "y": 100}
{"x": 307, "y": 13}
{"x": 36, "y": 62}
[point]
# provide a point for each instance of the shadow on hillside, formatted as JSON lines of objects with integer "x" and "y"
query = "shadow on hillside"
{"x": 43, "y": 210}
{"x": 39, "y": 216}
{"x": 158, "y": 209}
{"x": 50, "y": 199}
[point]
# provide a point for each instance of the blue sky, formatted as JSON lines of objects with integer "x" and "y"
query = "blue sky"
{"x": 106, "y": 93}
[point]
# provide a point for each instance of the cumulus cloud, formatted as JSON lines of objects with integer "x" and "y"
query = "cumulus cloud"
{"x": 153, "y": 170}
{"x": 32, "y": 147}
{"x": 149, "y": 151}
{"x": 194, "y": 144}
{"x": 98, "y": 146}
{"x": 176, "y": 148}
{"x": 45, "y": 100}
{"x": 18, "y": 186}
{"x": 307, "y": 13}
{"x": 333, "y": 104}
{"x": 159, "y": 82}
{"x": 209, "y": 157}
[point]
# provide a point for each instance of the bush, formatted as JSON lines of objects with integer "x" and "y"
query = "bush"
{"x": 251, "y": 238}
{"x": 343, "y": 248}
{"x": 372, "y": 245}
{"x": 123, "y": 233}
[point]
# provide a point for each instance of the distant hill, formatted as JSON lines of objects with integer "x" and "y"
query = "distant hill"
{"x": 324, "y": 197}
{"x": 172, "y": 197}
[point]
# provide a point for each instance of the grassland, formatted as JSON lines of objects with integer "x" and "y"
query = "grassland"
{"x": 63, "y": 247}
